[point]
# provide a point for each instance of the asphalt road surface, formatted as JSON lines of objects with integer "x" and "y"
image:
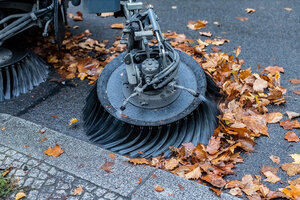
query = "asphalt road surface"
{"x": 269, "y": 37}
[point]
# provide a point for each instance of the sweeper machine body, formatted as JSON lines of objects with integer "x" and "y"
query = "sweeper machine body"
{"x": 148, "y": 98}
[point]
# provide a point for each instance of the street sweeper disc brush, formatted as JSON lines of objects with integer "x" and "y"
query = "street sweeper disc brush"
{"x": 151, "y": 130}
{"x": 20, "y": 71}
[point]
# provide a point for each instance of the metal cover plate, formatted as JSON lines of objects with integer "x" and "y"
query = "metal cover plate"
{"x": 109, "y": 90}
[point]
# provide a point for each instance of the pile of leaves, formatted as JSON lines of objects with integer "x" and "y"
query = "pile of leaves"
{"x": 244, "y": 117}
{"x": 80, "y": 56}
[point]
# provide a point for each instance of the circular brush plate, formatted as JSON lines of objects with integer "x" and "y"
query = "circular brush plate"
{"x": 110, "y": 94}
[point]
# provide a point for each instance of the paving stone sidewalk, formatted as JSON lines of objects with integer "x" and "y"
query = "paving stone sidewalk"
{"x": 44, "y": 181}
{"x": 43, "y": 177}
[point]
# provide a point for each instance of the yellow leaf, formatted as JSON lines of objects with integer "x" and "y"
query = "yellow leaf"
{"x": 20, "y": 195}
{"x": 55, "y": 151}
{"x": 78, "y": 191}
{"x": 73, "y": 121}
{"x": 296, "y": 158}
{"x": 159, "y": 188}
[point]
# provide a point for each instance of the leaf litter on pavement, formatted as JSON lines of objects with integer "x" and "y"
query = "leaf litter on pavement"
{"x": 244, "y": 112}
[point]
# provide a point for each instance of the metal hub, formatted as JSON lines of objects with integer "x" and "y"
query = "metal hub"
{"x": 111, "y": 93}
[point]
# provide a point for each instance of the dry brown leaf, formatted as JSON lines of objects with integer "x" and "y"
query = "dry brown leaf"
{"x": 112, "y": 155}
{"x": 107, "y": 14}
{"x": 171, "y": 164}
{"x": 106, "y": 166}
{"x": 292, "y": 115}
{"x": 288, "y": 9}
{"x": 289, "y": 125}
{"x": 294, "y": 81}
{"x": 7, "y": 170}
{"x": 291, "y": 169}
{"x": 44, "y": 139}
{"x": 217, "y": 42}
{"x": 238, "y": 51}
{"x": 181, "y": 187}
{"x": 292, "y": 191}
{"x": 73, "y": 121}
{"x": 140, "y": 180}
{"x": 217, "y": 191}
{"x": 117, "y": 26}
{"x": 215, "y": 180}
{"x": 242, "y": 18}
{"x": 206, "y": 34}
{"x": 54, "y": 116}
{"x": 272, "y": 178}
{"x": 273, "y": 69}
{"x": 78, "y": 191}
{"x": 295, "y": 181}
{"x": 296, "y": 92}
{"x": 213, "y": 145}
{"x": 273, "y": 117}
{"x": 250, "y": 10}
{"x": 291, "y": 137}
{"x": 196, "y": 25}
{"x": 194, "y": 174}
{"x": 234, "y": 184}
{"x": 56, "y": 151}
{"x": 138, "y": 161}
{"x": 159, "y": 188}
{"x": 259, "y": 85}
{"x": 296, "y": 158}
{"x": 267, "y": 168}
{"x": 20, "y": 195}
{"x": 3, "y": 128}
{"x": 275, "y": 159}
{"x": 236, "y": 192}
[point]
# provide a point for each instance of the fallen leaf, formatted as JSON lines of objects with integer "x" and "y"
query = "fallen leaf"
{"x": 242, "y": 18}
{"x": 273, "y": 69}
{"x": 292, "y": 191}
{"x": 272, "y": 178}
{"x": 154, "y": 176}
{"x": 55, "y": 151}
{"x": 259, "y": 85}
{"x": 25, "y": 145}
{"x": 112, "y": 155}
{"x": 42, "y": 140}
{"x": 140, "y": 180}
{"x": 73, "y": 121}
{"x": 267, "y": 168}
{"x": 42, "y": 131}
{"x": 238, "y": 51}
{"x": 196, "y": 25}
{"x": 294, "y": 81}
{"x": 171, "y": 164}
{"x": 117, "y": 26}
{"x": 20, "y": 195}
{"x": 159, "y": 188}
{"x": 206, "y": 34}
{"x": 291, "y": 137}
{"x": 296, "y": 92}
{"x": 215, "y": 180}
{"x": 54, "y": 116}
{"x": 218, "y": 192}
{"x": 250, "y": 10}
{"x": 292, "y": 115}
{"x": 291, "y": 169}
{"x": 78, "y": 191}
{"x": 213, "y": 145}
{"x": 288, "y": 9}
{"x": 234, "y": 184}
{"x": 194, "y": 174}
{"x": 181, "y": 187}
{"x": 288, "y": 125}
{"x": 296, "y": 158}
{"x": 106, "y": 166}
{"x": 295, "y": 181}
{"x": 138, "y": 161}
{"x": 7, "y": 170}
{"x": 275, "y": 159}
{"x": 3, "y": 128}
{"x": 273, "y": 117}
{"x": 236, "y": 192}
{"x": 174, "y": 7}
{"x": 107, "y": 14}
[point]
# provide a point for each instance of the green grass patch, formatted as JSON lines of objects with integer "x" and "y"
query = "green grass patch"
{"x": 7, "y": 186}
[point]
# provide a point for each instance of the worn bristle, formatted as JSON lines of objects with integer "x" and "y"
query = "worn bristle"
{"x": 137, "y": 141}
{"x": 22, "y": 76}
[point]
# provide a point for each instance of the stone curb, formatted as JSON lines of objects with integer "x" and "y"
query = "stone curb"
{"x": 84, "y": 161}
